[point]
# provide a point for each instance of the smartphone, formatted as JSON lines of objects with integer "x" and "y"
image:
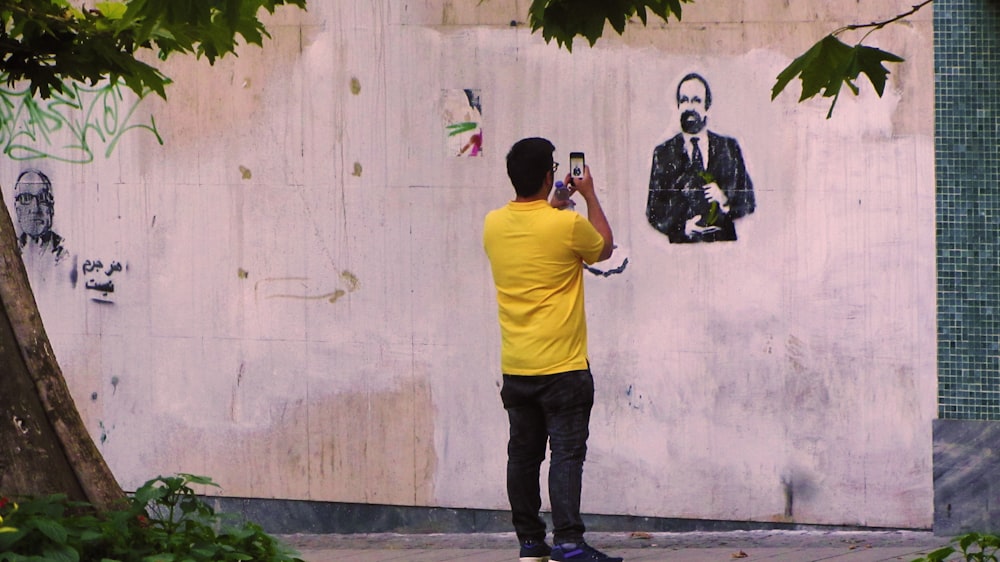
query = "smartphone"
{"x": 576, "y": 164}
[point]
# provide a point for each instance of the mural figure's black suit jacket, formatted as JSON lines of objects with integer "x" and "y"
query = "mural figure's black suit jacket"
{"x": 676, "y": 194}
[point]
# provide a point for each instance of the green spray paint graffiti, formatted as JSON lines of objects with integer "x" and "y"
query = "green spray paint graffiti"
{"x": 70, "y": 126}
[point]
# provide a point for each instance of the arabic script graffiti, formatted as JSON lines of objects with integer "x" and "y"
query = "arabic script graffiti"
{"x": 68, "y": 126}
{"x": 99, "y": 279}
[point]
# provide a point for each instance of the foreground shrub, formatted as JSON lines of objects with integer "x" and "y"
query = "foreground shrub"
{"x": 972, "y": 547}
{"x": 164, "y": 521}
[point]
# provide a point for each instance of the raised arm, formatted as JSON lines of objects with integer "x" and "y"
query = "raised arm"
{"x": 595, "y": 214}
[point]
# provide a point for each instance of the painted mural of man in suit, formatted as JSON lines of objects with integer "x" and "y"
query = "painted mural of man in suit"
{"x": 698, "y": 184}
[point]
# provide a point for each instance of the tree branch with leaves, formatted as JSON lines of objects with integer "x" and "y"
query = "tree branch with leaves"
{"x": 823, "y": 69}
{"x": 49, "y": 42}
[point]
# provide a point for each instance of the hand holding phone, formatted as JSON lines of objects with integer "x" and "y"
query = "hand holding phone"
{"x": 584, "y": 184}
{"x": 576, "y": 164}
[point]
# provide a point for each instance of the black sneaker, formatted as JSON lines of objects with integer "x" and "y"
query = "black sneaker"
{"x": 580, "y": 552}
{"x": 534, "y": 551}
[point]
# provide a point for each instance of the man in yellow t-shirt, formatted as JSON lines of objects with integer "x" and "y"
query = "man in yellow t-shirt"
{"x": 536, "y": 252}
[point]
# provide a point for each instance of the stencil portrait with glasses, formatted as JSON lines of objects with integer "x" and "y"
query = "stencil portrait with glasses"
{"x": 34, "y": 206}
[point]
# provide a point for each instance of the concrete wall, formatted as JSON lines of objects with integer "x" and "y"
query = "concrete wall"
{"x": 303, "y": 309}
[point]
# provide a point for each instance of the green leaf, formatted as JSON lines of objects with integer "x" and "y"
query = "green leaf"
{"x": 965, "y": 541}
{"x": 91, "y": 535}
{"x": 68, "y": 7}
{"x": 51, "y": 529}
{"x": 818, "y": 68}
{"x": 9, "y": 539}
{"x": 564, "y": 20}
{"x": 50, "y": 43}
{"x": 829, "y": 64}
{"x": 641, "y": 12}
{"x": 869, "y": 60}
{"x": 195, "y": 479}
{"x": 940, "y": 554}
{"x": 206, "y": 553}
{"x": 111, "y": 10}
{"x": 148, "y": 493}
{"x": 64, "y": 554}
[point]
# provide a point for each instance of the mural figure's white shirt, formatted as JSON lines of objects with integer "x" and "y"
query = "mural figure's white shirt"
{"x": 702, "y": 137}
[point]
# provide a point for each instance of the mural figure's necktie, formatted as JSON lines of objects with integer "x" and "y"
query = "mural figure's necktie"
{"x": 696, "y": 159}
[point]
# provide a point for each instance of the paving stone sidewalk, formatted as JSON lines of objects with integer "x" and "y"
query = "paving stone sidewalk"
{"x": 773, "y": 546}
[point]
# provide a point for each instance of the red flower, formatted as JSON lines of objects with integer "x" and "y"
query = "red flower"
{"x": 143, "y": 520}
{"x": 4, "y": 502}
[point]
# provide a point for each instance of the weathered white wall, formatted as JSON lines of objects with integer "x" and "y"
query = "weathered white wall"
{"x": 305, "y": 310}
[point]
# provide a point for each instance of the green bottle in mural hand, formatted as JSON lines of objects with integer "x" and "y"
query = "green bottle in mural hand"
{"x": 713, "y": 211}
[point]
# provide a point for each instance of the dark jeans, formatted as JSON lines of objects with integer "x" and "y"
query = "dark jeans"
{"x": 554, "y": 408}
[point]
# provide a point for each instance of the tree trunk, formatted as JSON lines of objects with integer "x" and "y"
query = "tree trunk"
{"x": 44, "y": 446}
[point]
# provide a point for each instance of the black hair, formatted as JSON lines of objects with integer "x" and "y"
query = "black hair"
{"x": 528, "y": 162}
{"x": 700, "y": 78}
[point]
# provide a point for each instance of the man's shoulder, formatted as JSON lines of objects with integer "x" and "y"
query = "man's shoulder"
{"x": 714, "y": 137}
{"x": 671, "y": 143}
{"x": 493, "y": 218}
{"x": 509, "y": 211}
{"x": 670, "y": 148}
{"x": 499, "y": 211}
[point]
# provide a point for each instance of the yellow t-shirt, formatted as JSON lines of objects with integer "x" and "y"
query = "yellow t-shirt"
{"x": 535, "y": 252}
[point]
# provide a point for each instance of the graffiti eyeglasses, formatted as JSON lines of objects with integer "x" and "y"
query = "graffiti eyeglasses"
{"x": 43, "y": 198}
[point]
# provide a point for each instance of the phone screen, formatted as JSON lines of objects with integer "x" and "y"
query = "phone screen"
{"x": 576, "y": 164}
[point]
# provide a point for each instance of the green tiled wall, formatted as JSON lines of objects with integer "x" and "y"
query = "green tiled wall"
{"x": 967, "y": 144}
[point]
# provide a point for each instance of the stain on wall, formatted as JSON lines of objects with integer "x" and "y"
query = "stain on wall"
{"x": 303, "y": 288}
{"x": 387, "y": 455}
{"x": 382, "y": 451}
